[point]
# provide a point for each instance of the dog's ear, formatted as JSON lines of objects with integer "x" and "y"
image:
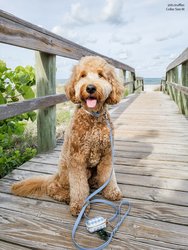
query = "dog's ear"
{"x": 117, "y": 88}
{"x": 70, "y": 86}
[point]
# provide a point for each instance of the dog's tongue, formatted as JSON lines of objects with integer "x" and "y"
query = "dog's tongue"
{"x": 91, "y": 103}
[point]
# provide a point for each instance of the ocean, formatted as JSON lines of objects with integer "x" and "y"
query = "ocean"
{"x": 152, "y": 81}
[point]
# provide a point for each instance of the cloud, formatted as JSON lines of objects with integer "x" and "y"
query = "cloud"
{"x": 73, "y": 35}
{"x": 110, "y": 12}
{"x": 128, "y": 40}
{"x": 78, "y": 15}
{"x": 169, "y": 36}
{"x": 66, "y": 33}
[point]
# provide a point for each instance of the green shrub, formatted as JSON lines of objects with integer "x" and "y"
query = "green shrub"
{"x": 15, "y": 85}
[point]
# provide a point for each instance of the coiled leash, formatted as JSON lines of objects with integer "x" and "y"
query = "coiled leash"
{"x": 88, "y": 201}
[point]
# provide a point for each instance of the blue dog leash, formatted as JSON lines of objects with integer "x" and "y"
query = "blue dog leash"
{"x": 88, "y": 201}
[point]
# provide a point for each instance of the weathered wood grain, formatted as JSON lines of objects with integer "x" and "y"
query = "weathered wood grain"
{"x": 182, "y": 89}
{"x": 46, "y": 85}
{"x": 41, "y": 235}
{"x": 54, "y": 210}
{"x": 153, "y": 170}
{"x": 13, "y": 109}
{"x": 128, "y": 179}
{"x": 18, "y": 32}
{"x": 179, "y": 60}
{"x": 6, "y": 245}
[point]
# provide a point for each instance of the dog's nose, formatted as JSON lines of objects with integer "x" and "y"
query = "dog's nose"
{"x": 91, "y": 89}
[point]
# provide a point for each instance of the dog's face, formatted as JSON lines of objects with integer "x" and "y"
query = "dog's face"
{"x": 93, "y": 83}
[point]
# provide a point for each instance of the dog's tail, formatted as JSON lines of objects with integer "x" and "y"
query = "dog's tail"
{"x": 35, "y": 186}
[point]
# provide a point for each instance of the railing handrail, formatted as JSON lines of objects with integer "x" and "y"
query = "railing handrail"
{"x": 37, "y": 38}
{"x": 17, "y": 108}
{"x": 176, "y": 81}
{"x": 182, "y": 89}
{"x": 183, "y": 57}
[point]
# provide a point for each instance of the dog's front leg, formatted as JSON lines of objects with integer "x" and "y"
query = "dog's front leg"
{"x": 112, "y": 191}
{"x": 79, "y": 187}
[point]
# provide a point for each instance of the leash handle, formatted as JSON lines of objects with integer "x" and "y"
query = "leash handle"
{"x": 117, "y": 213}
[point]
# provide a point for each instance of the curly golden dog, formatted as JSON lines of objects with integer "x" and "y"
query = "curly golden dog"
{"x": 86, "y": 157}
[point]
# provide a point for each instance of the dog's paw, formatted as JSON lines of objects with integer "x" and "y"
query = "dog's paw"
{"x": 113, "y": 194}
{"x": 75, "y": 208}
{"x": 57, "y": 192}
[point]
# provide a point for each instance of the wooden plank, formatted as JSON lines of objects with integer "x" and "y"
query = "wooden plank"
{"x": 176, "y": 184}
{"x": 123, "y": 178}
{"x": 168, "y": 171}
{"x": 17, "y": 108}
{"x": 9, "y": 246}
{"x": 131, "y": 190}
{"x": 130, "y": 158}
{"x": 45, "y": 234}
{"x": 18, "y": 32}
{"x": 179, "y": 60}
{"x": 148, "y": 162}
{"x": 42, "y": 212}
{"x": 146, "y": 148}
{"x": 54, "y": 210}
{"x": 125, "y": 159}
{"x": 46, "y": 85}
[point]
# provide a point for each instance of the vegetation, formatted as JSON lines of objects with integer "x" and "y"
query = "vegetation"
{"x": 15, "y": 85}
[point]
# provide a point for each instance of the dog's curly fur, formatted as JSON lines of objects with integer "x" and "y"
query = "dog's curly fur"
{"x": 86, "y": 159}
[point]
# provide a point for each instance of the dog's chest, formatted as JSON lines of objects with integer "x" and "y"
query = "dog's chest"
{"x": 99, "y": 144}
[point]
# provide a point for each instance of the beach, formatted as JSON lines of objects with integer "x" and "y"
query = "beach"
{"x": 151, "y": 87}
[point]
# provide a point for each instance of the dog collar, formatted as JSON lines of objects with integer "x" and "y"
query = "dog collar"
{"x": 94, "y": 114}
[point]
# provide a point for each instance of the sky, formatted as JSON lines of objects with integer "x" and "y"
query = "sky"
{"x": 144, "y": 34}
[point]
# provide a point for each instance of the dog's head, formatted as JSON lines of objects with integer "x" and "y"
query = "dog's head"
{"x": 93, "y": 83}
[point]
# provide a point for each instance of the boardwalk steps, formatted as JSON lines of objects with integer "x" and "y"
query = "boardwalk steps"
{"x": 151, "y": 162}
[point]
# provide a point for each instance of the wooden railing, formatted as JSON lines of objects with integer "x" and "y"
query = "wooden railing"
{"x": 176, "y": 82}
{"x": 15, "y": 31}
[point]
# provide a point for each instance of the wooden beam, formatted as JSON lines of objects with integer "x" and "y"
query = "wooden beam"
{"x": 16, "y": 108}
{"x": 46, "y": 84}
{"x": 183, "y": 89}
{"x": 18, "y": 32}
{"x": 179, "y": 60}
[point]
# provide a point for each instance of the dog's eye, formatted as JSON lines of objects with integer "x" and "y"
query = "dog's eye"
{"x": 100, "y": 75}
{"x": 83, "y": 75}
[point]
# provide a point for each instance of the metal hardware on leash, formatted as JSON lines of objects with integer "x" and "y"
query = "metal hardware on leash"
{"x": 98, "y": 224}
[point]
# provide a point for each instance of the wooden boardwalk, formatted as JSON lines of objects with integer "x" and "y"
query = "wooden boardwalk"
{"x": 151, "y": 162}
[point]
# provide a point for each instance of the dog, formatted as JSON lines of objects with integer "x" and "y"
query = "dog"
{"x": 86, "y": 156}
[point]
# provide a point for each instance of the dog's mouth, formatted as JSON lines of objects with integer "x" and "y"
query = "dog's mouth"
{"x": 91, "y": 102}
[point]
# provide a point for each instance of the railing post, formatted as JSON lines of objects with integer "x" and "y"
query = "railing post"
{"x": 46, "y": 85}
{"x": 178, "y": 97}
{"x": 133, "y": 77}
{"x": 174, "y": 78}
{"x": 122, "y": 76}
{"x": 184, "y": 77}
{"x": 142, "y": 84}
{"x": 169, "y": 88}
{"x": 131, "y": 87}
